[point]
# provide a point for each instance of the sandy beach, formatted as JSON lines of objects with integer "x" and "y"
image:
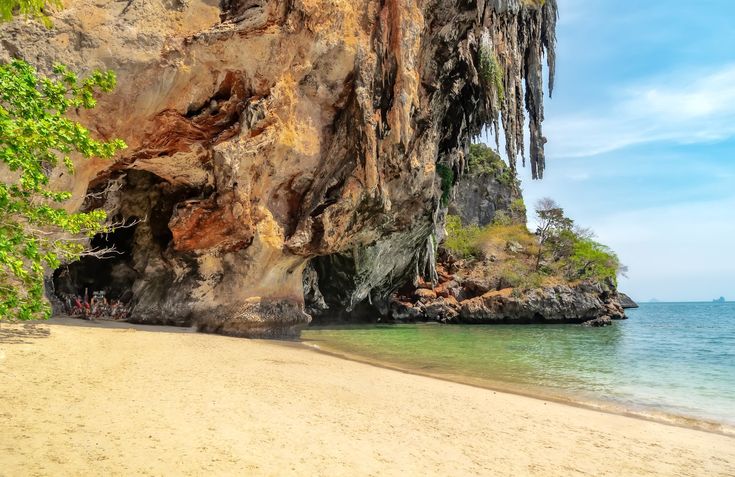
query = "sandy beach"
{"x": 93, "y": 399}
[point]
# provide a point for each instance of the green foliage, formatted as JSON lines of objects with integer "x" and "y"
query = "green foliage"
{"x": 551, "y": 220}
{"x": 508, "y": 269}
{"x": 498, "y": 235}
{"x": 560, "y": 246}
{"x": 483, "y": 160}
{"x": 502, "y": 218}
{"x": 593, "y": 260}
{"x": 471, "y": 241}
{"x": 521, "y": 281}
{"x": 35, "y": 136}
{"x": 462, "y": 241}
{"x": 491, "y": 72}
{"x": 518, "y": 209}
{"x": 28, "y": 8}
{"x": 447, "y": 181}
{"x": 571, "y": 250}
{"x": 552, "y": 224}
{"x": 523, "y": 261}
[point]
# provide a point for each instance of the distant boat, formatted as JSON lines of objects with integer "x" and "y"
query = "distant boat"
{"x": 719, "y": 300}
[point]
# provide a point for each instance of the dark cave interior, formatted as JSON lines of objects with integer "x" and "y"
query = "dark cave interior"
{"x": 112, "y": 274}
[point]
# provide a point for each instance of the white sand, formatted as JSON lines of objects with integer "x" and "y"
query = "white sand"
{"x": 98, "y": 400}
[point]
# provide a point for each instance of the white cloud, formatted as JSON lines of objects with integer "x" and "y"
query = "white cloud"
{"x": 676, "y": 252}
{"x": 681, "y": 108}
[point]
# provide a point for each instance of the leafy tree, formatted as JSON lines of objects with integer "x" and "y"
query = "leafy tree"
{"x": 573, "y": 250}
{"x": 35, "y": 136}
{"x": 591, "y": 259}
{"x": 551, "y": 224}
{"x": 518, "y": 210}
{"x": 29, "y": 8}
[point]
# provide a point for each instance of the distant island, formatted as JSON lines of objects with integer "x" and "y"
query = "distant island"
{"x": 719, "y": 300}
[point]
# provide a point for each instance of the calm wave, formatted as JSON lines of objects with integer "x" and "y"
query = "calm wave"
{"x": 677, "y": 358}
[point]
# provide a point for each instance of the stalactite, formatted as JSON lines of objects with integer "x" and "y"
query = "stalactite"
{"x": 519, "y": 33}
{"x": 329, "y": 146}
{"x": 514, "y": 35}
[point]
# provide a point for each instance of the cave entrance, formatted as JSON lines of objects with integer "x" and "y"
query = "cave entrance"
{"x": 144, "y": 203}
{"x": 113, "y": 274}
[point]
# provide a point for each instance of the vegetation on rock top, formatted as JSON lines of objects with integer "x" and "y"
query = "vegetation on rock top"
{"x": 483, "y": 160}
{"x": 557, "y": 253}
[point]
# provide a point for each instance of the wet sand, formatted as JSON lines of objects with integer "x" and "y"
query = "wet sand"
{"x": 87, "y": 399}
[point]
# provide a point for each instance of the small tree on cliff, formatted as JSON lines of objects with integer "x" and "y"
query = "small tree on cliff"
{"x": 591, "y": 259}
{"x": 553, "y": 225}
{"x": 571, "y": 249}
{"x": 35, "y": 136}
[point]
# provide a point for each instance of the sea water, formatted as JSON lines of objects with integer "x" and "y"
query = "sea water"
{"x": 671, "y": 359}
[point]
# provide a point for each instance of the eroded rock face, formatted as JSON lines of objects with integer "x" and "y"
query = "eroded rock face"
{"x": 462, "y": 297}
{"x": 274, "y": 132}
{"x": 479, "y": 197}
{"x": 558, "y": 304}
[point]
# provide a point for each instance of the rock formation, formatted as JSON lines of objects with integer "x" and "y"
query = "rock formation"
{"x": 480, "y": 195}
{"x": 627, "y": 302}
{"x": 265, "y": 136}
{"x": 457, "y": 300}
{"x": 465, "y": 291}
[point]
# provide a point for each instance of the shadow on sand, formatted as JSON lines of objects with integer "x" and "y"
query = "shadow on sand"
{"x": 22, "y": 333}
{"x": 64, "y": 320}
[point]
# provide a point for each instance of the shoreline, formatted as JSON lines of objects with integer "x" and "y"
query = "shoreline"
{"x": 599, "y": 405}
{"x": 538, "y": 393}
{"x": 127, "y": 399}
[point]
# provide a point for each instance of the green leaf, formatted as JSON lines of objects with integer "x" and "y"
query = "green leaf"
{"x": 35, "y": 136}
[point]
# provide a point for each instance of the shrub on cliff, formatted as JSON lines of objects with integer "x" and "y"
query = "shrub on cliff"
{"x": 28, "y": 8}
{"x": 462, "y": 241}
{"x": 446, "y": 175}
{"x": 35, "y": 136}
{"x": 570, "y": 250}
{"x": 483, "y": 160}
{"x": 558, "y": 253}
{"x": 518, "y": 210}
{"x": 491, "y": 72}
{"x": 593, "y": 260}
{"x": 471, "y": 241}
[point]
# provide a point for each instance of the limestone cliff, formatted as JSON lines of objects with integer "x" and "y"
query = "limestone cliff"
{"x": 267, "y": 135}
{"x": 489, "y": 187}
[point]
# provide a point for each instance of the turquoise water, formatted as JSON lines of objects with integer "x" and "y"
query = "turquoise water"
{"x": 670, "y": 358}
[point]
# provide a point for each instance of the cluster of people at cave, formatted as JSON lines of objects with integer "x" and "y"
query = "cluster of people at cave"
{"x": 96, "y": 306}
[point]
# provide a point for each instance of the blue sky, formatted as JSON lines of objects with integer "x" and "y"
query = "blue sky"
{"x": 641, "y": 134}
